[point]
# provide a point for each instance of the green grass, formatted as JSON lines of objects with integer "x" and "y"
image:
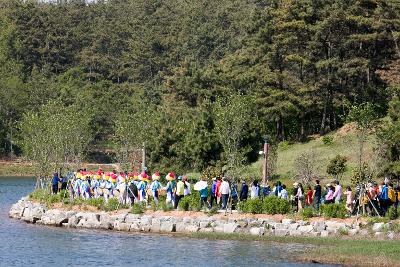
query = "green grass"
{"x": 344, "y": 143}
{"x": 351, "y": 252}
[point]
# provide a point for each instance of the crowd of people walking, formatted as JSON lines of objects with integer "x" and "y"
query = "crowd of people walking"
{"x": 222, "y": 193}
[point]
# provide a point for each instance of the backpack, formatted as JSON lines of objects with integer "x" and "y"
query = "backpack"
{"x": 392, "y": 195}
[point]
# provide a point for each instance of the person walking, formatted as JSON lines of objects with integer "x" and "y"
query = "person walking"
{"x": 255, "y": 190}
{"x": 300, "y": 197}
{"x": 187, "y": 186}
{"x": 180, "y": 191}
{"x": 224, "y": 191}
{"x": 213, "y": 197}
{"x": 349, "y": 199}
{"x": 217, "y": 191}
{"x": 284, "y": 193}
{"x": 309, "y": 197}
{"x": 204, "y": 196}
{"x": 317, "y": 194}
{"x": 337, "y": 195}
{"x": 54, "y": 183}
{"x": 244, "y": 191}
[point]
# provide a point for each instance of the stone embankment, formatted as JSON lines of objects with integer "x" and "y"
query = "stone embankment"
{"x": 33, "y": 212}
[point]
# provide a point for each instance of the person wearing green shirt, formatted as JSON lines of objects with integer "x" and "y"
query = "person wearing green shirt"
{"x": 180, "y": 191}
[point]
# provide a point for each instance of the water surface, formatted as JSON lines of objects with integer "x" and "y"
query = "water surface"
{"x": 23, "y": 244}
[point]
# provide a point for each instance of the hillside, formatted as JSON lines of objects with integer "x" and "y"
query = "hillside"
{"x": 344, "y": 143}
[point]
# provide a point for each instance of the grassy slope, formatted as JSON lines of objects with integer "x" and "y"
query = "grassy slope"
{"x": 344, "y": 143}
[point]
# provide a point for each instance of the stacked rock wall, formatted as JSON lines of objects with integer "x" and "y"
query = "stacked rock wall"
{"x": 38, "y": 213}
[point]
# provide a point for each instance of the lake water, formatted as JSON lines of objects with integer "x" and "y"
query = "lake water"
{"x": 23, "y": 244}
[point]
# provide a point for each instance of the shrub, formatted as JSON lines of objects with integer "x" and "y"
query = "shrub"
{"x": 95, "y": 202}
{"x": 39, "y": 194}
{"x": 392, "y": 213}
{"x": 275, "y": 205}
{"x": 191, "y": 202}
{"x": 284, "y": 145}
{"x": 334, "y": 211}
{"x": 327, "y": 140}
{"x": 138, "y": 208}
{"x": 307, "y": 213}
{"x": 254, "y": 206}
{"x": 212, "y": 211}
{"x": 337, "y": 166}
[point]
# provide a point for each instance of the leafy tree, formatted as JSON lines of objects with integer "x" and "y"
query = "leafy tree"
{"x": 364, "y": 116}
{"x": 337, "y": 166}
{"x": 55, "y": 137}
{"x": 232, "y": 116}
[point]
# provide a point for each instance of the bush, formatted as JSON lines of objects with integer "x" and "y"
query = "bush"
{"x": 39, "y": 194}
{"x": 191, "y": 202}
{"x": 254, "y": 206}
{"x": 392, "y": 213}
{"x": 327, "y": 140}
{"x": 333, "y": 211}
{"x": 96, "y": 202}
{"x": 307, "y": 213}
{"x": 337, "y": 166}
{"x": 284, "y": 145}
{"x": 274, "y": 205}
{"x": 138, "y": 208}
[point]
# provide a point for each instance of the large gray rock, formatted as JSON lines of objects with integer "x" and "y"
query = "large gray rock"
{"x": 155, "y": 225}
{"x": 257, "y": 231}
{"x": 132, "y": 218}
{"x": 282, "y": 226}
{"x": 106, "y": 221}
{"x": 377, "y": 227}
{"x": 146, "y": 220}
{"x": 88, "y": 220}
{"x": 319, "y": 226}
{"x": 73, "y": 221}
{"x": 192, "y": 228}
{"x": 167, "y": 226}
{"x": 281, "y": 232}
{"x": 33, "y": 212}
{"x": 287, "y": 221}
{"x": 230, "y": 228}
{"x": 306, "y": 229}
{"x": 180, "y": 227}
{"x": 56, "y": 217}
{"x": 17, "y": 210}
{"x": 121, "y": 226}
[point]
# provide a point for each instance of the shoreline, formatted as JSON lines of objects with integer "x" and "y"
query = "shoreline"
{"x": 330, "y": 234}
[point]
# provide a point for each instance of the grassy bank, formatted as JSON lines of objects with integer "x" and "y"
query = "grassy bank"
{"x": 342, "y": 250}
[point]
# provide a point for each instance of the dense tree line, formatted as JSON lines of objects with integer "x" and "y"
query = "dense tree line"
{"x": 300, "y": 64}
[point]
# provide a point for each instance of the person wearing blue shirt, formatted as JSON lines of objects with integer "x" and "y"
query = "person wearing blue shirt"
{"x": 244, "y": 191}
{"x": 213, "y": 192}
{"x": 204, "y": 196}
{"x": 54, "y": 183}
{"x": 383, "y": 197}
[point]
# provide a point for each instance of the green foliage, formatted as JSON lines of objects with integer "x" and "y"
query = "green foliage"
{"x": 392, "y": 213}
{"x": 138, "y": 208}
{"x": 337, "y": 166}
{"x": 307, "y": 213}
{"x": 333, "y": 211}
{"x": 191, "y": 202}
{"x": 212, "y": 172}
{"x": 327, "y": 140}
{"x": 275, "y": 205}
{"x": 254, "y": 206}
{"x": 293, "y": 67}
{"x": 270, "y": 205}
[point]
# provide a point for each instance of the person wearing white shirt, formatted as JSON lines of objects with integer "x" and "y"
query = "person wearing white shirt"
{"x": 284, "y": 193}
{"x": 224, "y": 190}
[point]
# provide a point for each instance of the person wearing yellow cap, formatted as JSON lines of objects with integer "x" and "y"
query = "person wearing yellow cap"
{"x": 155, "y": 187}
{"x": 170, "y": 188}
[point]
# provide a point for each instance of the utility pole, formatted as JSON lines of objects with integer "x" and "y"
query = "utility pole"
{"x": 265, "y": 163}
{"x": 144, "y": 168}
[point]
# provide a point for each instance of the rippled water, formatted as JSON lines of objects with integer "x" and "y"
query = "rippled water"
{"x": 23, "y": 244}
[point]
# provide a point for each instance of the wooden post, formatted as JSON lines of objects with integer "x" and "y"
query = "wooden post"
{"x": 265, "y": 163}
{"x": 144, "y": 158}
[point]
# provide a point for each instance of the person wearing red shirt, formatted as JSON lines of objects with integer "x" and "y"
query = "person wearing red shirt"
{"x": 309, "y": 197}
